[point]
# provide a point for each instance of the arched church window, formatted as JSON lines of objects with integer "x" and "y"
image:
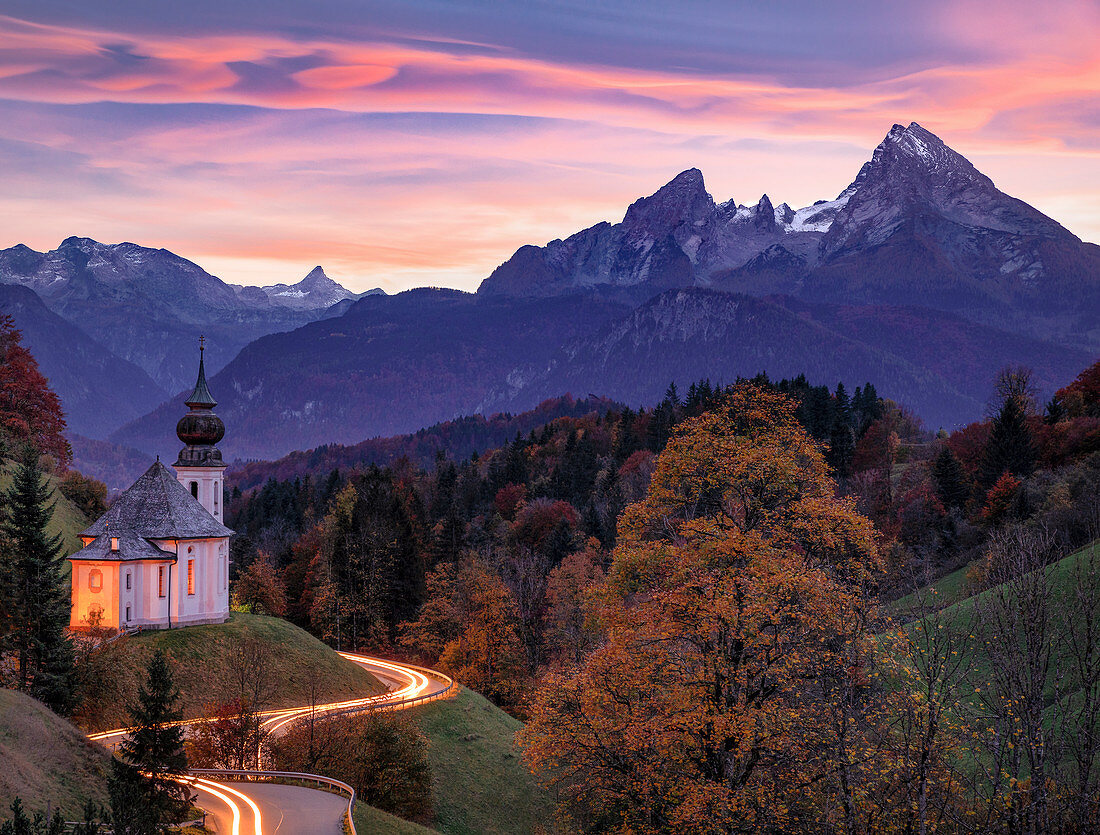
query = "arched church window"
{"x": 195, "y": 489}
{"x": 95, "y": 579}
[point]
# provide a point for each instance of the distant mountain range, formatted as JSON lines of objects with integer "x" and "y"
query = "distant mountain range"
{"x": 115, "y": 326}
{"x": 99, "y": 390}
{"x": 148, "y": 306}
{"x": 389, "y": 365}
{"x": 939, "y": 363}
{"x": 920, "y": 277}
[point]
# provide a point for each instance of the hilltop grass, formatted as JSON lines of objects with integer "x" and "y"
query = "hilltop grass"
{"x": 48, "y": 762}
{"x": 304, "y": 669}
{"x": 479, "y": 782}
{"x": 67, "y": 519}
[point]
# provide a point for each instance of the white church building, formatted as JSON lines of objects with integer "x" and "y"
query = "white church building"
{"x": 159, "y": 557}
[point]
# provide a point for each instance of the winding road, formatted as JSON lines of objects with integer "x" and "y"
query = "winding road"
{"x": 257, "y": 808}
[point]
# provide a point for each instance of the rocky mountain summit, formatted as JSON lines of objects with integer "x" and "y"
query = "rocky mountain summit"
{"x": 918, "y": 225}
{"x": 314, "y": 292}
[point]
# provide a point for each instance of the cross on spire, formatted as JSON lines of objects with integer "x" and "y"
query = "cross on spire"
{"x": 202, "y": 344}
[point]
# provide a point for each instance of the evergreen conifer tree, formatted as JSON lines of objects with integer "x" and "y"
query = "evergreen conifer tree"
{"x": 672, "y": 395}
{"x": 1055, "y": 411}
{"x": 127, "y": 791}
{"x": 154, "y": 749}
{"x": 842, "y": 444}
{"x": 38, "y": 824}
{"x": 818, "y": 412}
{"x": 952, "y": 484}
{"x": 1010, "y": 448}
{"x": 34, "y": 593}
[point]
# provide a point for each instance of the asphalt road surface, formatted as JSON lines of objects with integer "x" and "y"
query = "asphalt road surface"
{"x": 279, "y": 809}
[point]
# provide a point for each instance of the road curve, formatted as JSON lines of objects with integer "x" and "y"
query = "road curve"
{"x": 277, "y": 809}
{"x": 249, "y": 808}
{"x": 411, "y": 685}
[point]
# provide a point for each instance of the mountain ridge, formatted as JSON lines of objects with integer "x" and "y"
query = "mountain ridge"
{"x": 149, "y": 306}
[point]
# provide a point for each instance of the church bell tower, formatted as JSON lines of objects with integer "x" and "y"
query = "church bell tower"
{"x": 199, "y": 466}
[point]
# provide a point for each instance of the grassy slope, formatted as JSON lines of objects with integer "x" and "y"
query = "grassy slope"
{"x": 46, "y": 760}
{"x": 962, "y": 614}
{"x": 479, "y": 783}
{"x": 67, "y": 520}
{"x": 200, "y": 654}
{"x": 949, "y": 589}
{"x": 961, "y": 618}
{"x": 371, "y": 821}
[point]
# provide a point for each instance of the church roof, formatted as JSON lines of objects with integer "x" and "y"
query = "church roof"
{"x": 130, "y": 547}
{"x": 158, "y": 507}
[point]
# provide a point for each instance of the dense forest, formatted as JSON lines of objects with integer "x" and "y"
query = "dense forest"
{"x": 360, "y": 550}
{"x": 457, "y": 439}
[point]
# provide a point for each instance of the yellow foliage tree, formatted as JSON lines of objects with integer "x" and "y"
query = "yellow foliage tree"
{"x": 729, "y": 693}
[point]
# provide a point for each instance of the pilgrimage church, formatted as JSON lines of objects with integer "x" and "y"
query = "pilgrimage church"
{"x": 159, "y": 558}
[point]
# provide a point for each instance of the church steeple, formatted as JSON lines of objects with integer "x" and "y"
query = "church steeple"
{"x": 200, "y": 429}
{"x": 201, "y": 398}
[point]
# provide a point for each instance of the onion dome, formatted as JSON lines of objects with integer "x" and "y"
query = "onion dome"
{"x": 200, "y": 429}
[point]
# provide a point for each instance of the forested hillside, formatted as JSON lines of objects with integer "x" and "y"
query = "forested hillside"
{"x": 455, "y": 439}
{"x": 510, "y": 569}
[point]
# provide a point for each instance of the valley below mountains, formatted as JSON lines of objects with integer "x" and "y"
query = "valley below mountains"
{"x": 921, "y": 277}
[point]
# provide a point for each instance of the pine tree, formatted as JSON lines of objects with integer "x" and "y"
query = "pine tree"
{"x": 818, "y": 412}
{"x": 842, "y": 445}
{"x": 38, "y": 824}
{"x": 154, "y": 747}
{"x": 952, "y": 484}
{"x": 1010, "y": 448}
{"x": 127, "y": 790}
{"x": 672, "y": 395}
{"x": 866, "y": 409}
{"x": 1055, "y": 411}
{"x": 34, "y": 593}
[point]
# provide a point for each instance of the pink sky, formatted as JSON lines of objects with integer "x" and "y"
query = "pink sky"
{"x": 409, "y": 144}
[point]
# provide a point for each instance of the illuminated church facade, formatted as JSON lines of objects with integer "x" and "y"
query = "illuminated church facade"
{"x": 159, "y": 557}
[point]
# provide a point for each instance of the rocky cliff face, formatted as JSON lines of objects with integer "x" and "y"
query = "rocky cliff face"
{"x": 937, "y": 363}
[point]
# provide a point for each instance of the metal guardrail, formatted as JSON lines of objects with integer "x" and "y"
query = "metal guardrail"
{"x": 401, "y": 704}
{"x": 247, "y": 776}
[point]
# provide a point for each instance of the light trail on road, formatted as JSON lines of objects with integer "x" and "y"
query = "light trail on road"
{"x": 223, "y": 792}
{"x": 417, "y": 682}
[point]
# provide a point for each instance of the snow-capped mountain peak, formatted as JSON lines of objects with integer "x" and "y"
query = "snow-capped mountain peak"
{"x": 315, "y": 291}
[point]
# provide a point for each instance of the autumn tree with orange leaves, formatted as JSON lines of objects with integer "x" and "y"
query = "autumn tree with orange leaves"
{"x": 30, "y": 412}
{"x": 730, "y": 692}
